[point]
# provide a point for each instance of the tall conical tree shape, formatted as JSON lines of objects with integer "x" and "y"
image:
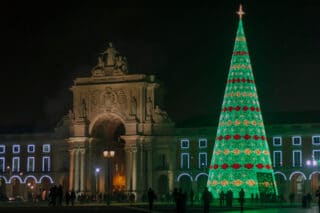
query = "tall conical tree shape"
{"x": 241, "y": 157}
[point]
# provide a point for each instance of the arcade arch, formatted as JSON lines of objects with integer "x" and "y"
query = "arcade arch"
{"x": 298, "y": 184}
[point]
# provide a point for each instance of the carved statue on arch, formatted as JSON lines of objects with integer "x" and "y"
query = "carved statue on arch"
{"x": 110, "y": 53}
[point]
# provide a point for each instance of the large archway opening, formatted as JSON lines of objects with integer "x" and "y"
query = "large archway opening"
{"x": 298, "y": 185}
{"x": 106, "y": 130}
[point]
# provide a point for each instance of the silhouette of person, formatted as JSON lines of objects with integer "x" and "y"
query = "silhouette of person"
{"x": 72, "y": 197}
{"x": 67, "y": 197}
{"x": 206, "y": 198}
{"x": 221, "y": 196}
{"x": 151, "y": 197}
{"x": 318, "y": 195}
{"x": 241, "y": 199}
{"x": 191, "y": 197}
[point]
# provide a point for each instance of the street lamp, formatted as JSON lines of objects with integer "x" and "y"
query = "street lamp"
{"x": 108, "y": 154}
{"x": 96, "y": 174}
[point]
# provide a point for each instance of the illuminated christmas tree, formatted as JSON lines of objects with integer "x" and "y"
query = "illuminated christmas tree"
{"x": 241, "y": 157}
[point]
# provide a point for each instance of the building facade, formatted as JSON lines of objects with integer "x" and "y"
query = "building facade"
{"x": 118, "y": 139}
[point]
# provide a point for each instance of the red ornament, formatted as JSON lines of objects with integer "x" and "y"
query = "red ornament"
{"x": 257, "y": 109}
{"x": 236, "y": 166}
{"x": 256, "y": 137}
{"x": 225, "y": 109}
{"x": 263, "y": 138}
{"x": 238, "y": 108}
{"x": 245, "y": 108}
{"x": 215, "y": 166}
{"x": 259, "y": 166}
{"x": 230, "y": 108}
{"x": 248, "y": 165}
{"x": 247, "y": 137}
{"x": 252, "y": 108}
{"x": 227, "y": 137}
{"x": 268, "y": 166}
{"x": 236, "y": 137}
{"x": 220, "y": 138}
{"x": 243, "y": 80}
{"x": 238, "y": 80}
{"x": 224, "y": 166}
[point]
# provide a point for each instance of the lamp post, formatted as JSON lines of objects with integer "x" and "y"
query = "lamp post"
{"x": 97, "y": 170}
{"x": 108, "y": 154}
{"x": 9, "y": 176}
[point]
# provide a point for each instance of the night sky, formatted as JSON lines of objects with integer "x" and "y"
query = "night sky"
{"x": 188, "y": 49}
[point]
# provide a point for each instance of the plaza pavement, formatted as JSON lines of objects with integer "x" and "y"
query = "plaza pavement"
{"x": 159, "y": 207}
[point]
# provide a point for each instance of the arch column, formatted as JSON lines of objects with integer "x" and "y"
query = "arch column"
{"x": 77, "y": 178}
{"x": 76, "y": 171}
{"x": 149, "y": 165}
{"x": 131, "y": 164}
{"x": 71, "y": 169}
{"x": 82, "y": 170}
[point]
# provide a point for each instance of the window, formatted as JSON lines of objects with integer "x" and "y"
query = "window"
{"x": 202, "y": 143}
{"x": 2, "y": 163}
{"x": 46, "y": 164}
{"x": 316, "y": 140}
{"x": 16, "y": 149}
{"x": 2, "y": 149}
{"x": 277, "y": 158}
{"x": 185, "y": 144}
{"x": 297, "y": 158}
{"x": 46, "y": 148}
{"x": 296, "y": 140}
{"x": 162, "y": 163}
{"x": 277, "y": 141}
{"x": 30, "y": 164}
{"x": 31, "y": 148}
{"x": 202, "y": 160}
{"x": 316, "y": 154}
{"x": 184, "y": 161}
{"x": 15, "y": 164}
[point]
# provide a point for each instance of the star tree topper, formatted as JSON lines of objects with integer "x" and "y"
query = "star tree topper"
{"x": 240, "y": 12}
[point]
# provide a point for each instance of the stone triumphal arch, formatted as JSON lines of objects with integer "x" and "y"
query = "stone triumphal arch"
{"x": 114, "y": 110}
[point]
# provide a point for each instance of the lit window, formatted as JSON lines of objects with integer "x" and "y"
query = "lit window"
{"x": 46, "y": 164}
{"x": 16, "y": 149}
{"x": 202, "y": 160}
{"x": 296, "y": 140}
{"x": 31, "y": 148}
{"x": 2, "y": 149}
{"x": 202, "y": 143}
{"x": 296, "y": 158}
{"x": 316, "y": 154}
{"x": 277, "y": 158}
{"x": 316, "y": 140}
{"x": 185, "y": 161}
{"x": 30, "y": 164}
{"x": 277, "y": 141}
{"x": 2, "y": 163}
{"x": 16, "y": 164}
{"x": 46, "y": 148}
{"x": 185, "y": 143}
